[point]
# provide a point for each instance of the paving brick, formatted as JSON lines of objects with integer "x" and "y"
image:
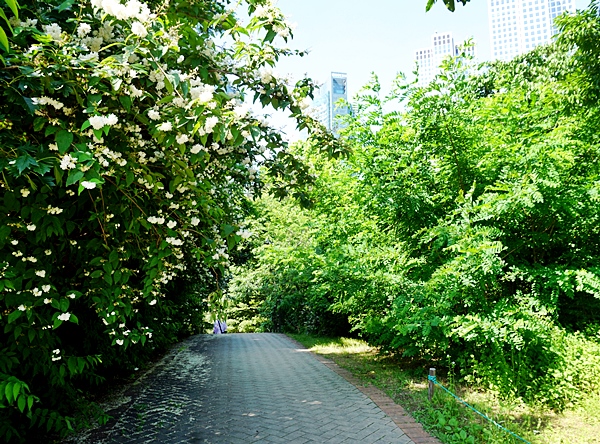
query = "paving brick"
{"x": 242, "y": 388}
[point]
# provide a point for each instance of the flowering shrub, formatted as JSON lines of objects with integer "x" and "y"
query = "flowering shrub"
{"x": 127, "y": 153}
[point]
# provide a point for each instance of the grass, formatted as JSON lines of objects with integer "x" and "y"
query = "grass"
{"x": 453, "y": 423}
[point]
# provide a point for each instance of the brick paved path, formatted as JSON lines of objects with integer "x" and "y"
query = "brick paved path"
{"x": 247, "y": 388}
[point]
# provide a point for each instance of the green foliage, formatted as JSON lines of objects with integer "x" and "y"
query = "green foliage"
{"x": 465, "y": 225}
{"x": 280, "y": 290}
{"x": 450, "y": 4}
{"x": 127, "y": 155}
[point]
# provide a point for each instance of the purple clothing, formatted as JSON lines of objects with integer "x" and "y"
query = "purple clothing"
{"x": 220, "y": 327}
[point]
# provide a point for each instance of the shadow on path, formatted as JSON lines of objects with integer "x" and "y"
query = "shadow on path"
{"x": 247, "y": 388}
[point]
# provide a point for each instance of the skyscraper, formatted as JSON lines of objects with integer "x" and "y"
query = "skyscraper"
{"x": 518, "y": 26}
{"x": 325, "y": 104}
{"x": 430, "y": 59}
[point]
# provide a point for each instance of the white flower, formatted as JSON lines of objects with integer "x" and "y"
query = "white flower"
{"x": 88, "y": 185}
{"x": 68, "y": 162}
{"x": 195, "y": 221}
{"x": 47, "y": 101}
{"x": 48, "y": 252}
{"x": 165, "y": 126}
{"x": 64, "y": 317}
{"x": 240, "y": 111}
{"x": 266, "y": 75}
{"x": 156, "y": 220}
{"x": 196, "y": 148}
{"x": 47, "y": 301}
{"x": 135, "y": 92}
{"x": 28, "y": 23}
{"x": 31, "y": 227}
{"x": 71, "y": 296}
{"x": 171, "y": 224}
{"x": 98, "y": 122}
{"x": 83, "y": 30}
{"x": 174, "y": 241}
{"x": 153, "y": 114}
{"x": 53, "y": 31}
{"x": 45, "y": 288}
{"x": 41, "y": 273}
{"x": 182, "y": 138}
{"x": 152, "y": 302}
{"x": 119, "y": 341}
{"x": 111, "y": 119}
{"x": 14, "y": 242}
{"x": 91, "y": 57}
{"x": 202, "y": 93}
{"x": 25, "y": 192}
{"x": 138, "y": 29}
{"x": 210, "y": 123}
{"x": 22, "y": 307}
{"x": 56, "y": 355}
{"x": 94, "y": 44}
{"x": 245, "y": 234}
{"x": 283, "y": 32}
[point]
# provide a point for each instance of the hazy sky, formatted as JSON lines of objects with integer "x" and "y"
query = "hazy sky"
{"x": 358, "y": 36}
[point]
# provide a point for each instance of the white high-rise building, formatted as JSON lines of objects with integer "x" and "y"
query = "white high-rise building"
{"x": 430, "y": 59}
{"x": 518, "y": 26}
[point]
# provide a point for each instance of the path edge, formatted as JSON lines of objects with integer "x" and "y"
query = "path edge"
{"x": 396, "y": 413}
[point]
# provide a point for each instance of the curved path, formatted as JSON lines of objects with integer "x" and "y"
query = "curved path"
{"x": 247, "y": 388}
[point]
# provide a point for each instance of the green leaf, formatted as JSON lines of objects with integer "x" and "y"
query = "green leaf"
{"x": 64, "y": 304}
{"x": 126, "y": 102}
{"x": 14, "y": 7}
{"x": 72, "y": 363}
{"x": 228, "y": 229}
{"x": 74, "y": 177}
{"x": 24, "y": 162}
{"x": 16, "y": 389}
{"x": 67, "y": 4}
{"x": 4, "y": 40}
{"x": 63, "y": 139}
{"x": 21, "y": 403}
{"x": 8, "y": 391}
{"x": 14, "y": 316}
{"x": 51, "y": 130}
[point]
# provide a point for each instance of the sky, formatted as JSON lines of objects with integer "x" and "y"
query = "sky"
{"x": 358, "y": 37}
